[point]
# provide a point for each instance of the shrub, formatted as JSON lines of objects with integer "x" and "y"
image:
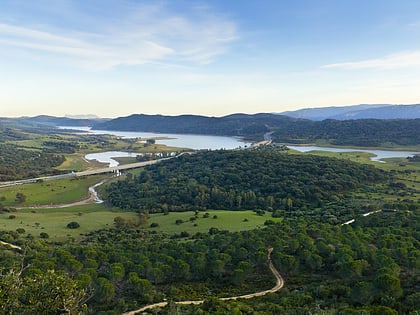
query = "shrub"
{"x": 73, "y": 225}
{"x": 43, "y": 235}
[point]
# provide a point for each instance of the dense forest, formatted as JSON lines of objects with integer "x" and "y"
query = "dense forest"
{"x": 372, "y": 265}
{"x": 266, "y": 179}
{"x": 18, "y": 163}
{"x": 362, "y": 132}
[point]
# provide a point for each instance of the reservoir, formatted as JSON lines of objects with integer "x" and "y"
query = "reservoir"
{"x": 379, "y": 154}
{"x": 206, "y": 142}
{"x": 195, "y": 142}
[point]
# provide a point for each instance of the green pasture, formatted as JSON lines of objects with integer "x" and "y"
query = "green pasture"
{"x": 75, "y": 162}
{"x": 192, "y": 223}
{"x": 54, "y": 221}
{"x": 97, "y": 216}
{"x": 53, "y": 192}
{"x": 408, "y": 172}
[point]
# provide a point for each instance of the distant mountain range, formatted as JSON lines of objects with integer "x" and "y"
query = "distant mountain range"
{"x": 363, "y": 111}
{"x": 60, "y": 121}
{"x": 231, "y": 125}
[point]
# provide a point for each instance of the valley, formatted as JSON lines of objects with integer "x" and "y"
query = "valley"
{"x": 196, "y": 227}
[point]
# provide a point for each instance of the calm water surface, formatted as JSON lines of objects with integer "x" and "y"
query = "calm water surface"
{"x": 379, "y": 154}
{"x": 196, "y": 142}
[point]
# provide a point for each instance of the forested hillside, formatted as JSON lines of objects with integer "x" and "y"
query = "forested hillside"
{"x": 363, "y": 111}
{"x": 372, "y": 266}
{"x": 264, "y": 179}
{"x": 18, "y": 163}
{"x": 362, "y": 132}
{"x": 232, "y": 125}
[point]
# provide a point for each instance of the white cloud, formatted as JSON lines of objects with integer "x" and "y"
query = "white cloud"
{"x": 137, "y": 36}
{"x": 406, "y": 59}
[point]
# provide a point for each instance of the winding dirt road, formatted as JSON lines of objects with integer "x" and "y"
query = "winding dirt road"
{"x": 278, "y": 286}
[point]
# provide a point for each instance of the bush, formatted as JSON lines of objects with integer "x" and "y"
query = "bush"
{"x": 73, "y": 225}
{"x": 20, "y": 230}
{"x": 12, "y": 216}
{"x": 43, "y": 235}
{"x": 154, "y": 224}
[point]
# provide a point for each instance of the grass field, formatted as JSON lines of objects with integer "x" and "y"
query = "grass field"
{"x": 226, "y": 220}
{"x": 97, "y": 216}
{"x": 54, "y": 221}
{"x": 50, "y": 192}
{"x": 74, "y": 162}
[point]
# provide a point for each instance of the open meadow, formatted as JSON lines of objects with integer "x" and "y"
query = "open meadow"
{"x": 54, "y": 221}
{"x": 55, "y": 192}
{"x": 97, "y": 216}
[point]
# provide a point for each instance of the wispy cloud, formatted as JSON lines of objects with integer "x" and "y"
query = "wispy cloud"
{"x": 406, "y": 59}
{"x": 151, "y": 34}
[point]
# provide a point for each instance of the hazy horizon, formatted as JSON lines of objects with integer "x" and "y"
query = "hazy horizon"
{"x": 211, "y": 58}
{"x": 93, "y": 116}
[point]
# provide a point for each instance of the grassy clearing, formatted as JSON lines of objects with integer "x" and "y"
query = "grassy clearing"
{"x": 74, "y": 162}
{"x": 97, "y": 216}
{"x": 408, "y": 172}
{"x": 54, "y": 221}
{"x": 50, "y": 192}
{"x": 226, "y": 220}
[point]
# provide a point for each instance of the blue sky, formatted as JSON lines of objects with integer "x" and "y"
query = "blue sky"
{"x": 114, "y": 58}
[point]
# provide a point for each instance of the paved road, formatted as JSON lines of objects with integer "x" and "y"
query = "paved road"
{"x": 278, "y": 286}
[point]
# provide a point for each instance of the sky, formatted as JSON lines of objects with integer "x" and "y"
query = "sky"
{"x": 115, "y": 58}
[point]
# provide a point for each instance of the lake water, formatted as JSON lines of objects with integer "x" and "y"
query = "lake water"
{"x": 107, "y": 157}
{"x": 379, "y": 154}
{"x": 198, "y": 142}
{"x": 195, "y": 142}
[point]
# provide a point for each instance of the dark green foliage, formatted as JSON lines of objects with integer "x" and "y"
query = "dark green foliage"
{"x": 371, "y": 265}
{"x": 73, "y": 225}
{"x": 47, "y": 293}
{"x": 18, "y": 163}
{"x": 361, "y": 132}
{"x": 20, "y": 197}
{"x": 245, "y": 179}
{"x": 60, "y": 146}
{"x": 43, "y": 235}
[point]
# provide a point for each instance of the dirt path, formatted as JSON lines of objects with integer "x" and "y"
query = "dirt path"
{"x": 278, "y": 286}
{"x": 93, "y": 198}
{"x": 10, "y": 245}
